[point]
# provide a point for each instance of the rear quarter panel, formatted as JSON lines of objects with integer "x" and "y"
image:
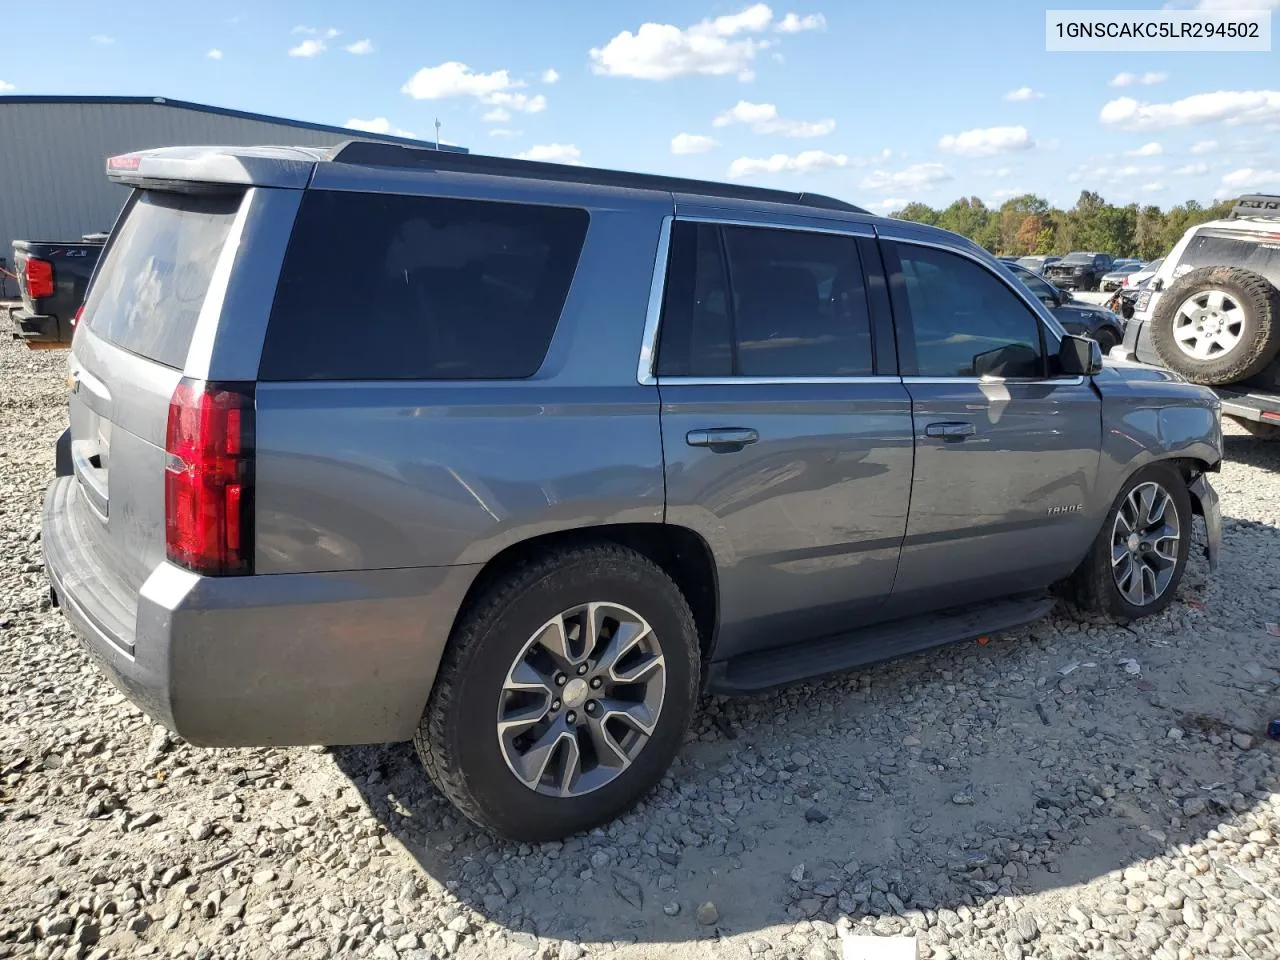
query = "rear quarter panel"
{"x": 378, "y": 475}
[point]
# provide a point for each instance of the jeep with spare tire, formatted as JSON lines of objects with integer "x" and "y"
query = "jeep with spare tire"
{"x": 605, "y": 441}
{"x": 1212, "y": 312}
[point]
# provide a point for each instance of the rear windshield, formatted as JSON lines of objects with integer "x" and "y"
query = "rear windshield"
{"x": 1077, "y": 258}
{"x": 390, "y": 287}
{"x": 149, "y": 288}
{"x": 1218, "y": 250}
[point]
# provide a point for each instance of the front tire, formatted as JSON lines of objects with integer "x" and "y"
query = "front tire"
{"x": 564, "y": 695}
{"x": 1137, "y": 560}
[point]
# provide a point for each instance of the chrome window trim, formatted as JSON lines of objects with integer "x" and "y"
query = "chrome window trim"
{"x": 1051, "y": 381}
{"x": 653, "y": 314}
{"x": 762, "y": 381}
{"x": 658, "y": 288}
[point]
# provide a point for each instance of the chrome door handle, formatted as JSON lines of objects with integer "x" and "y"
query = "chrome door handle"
{"x": 950, "y": 432}
{"x": 722, "y": 439}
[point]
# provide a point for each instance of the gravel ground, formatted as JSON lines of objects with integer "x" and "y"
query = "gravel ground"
{"x": 1066, "y": 789}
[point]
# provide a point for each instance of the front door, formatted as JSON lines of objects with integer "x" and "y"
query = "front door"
{"x": 1006, "y": 452}
{"x": 783, "y": 448}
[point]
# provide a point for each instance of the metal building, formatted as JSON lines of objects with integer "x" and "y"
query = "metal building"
{"x": 53, "y": 149}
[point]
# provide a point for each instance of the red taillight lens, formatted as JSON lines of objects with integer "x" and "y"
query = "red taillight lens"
{"x": 208, "y": 478}
{"x": 39, "y": 278}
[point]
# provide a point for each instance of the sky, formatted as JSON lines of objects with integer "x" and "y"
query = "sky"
{"x": 876, "y": 103}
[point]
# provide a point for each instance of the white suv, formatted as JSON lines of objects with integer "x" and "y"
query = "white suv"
{"x": 1212, "y": 311}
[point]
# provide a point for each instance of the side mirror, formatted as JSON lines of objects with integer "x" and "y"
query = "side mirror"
{"x": 1079, "y": 357}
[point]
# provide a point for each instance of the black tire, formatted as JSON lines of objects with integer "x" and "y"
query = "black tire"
{"x": 457, "y": 740}
{"x": 1093, "y": 586}
{"x": 1259, "y": 303}
{"x": 1106, "y": 339}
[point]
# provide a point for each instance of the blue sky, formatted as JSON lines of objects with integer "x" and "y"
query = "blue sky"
{"x": 874, "y": 102}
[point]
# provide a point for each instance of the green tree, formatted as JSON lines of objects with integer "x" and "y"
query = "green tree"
{"x": 918, "y": 212}
{"x": 967, "y": 216}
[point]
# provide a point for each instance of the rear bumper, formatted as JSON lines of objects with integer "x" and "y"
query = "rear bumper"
{"x": 36, "y": 329}
{"x": 263, "y": 660}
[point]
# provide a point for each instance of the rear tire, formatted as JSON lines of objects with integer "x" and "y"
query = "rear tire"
{"x": 1106, "y": 339}
{"x": 1217, "y": 325}
{"x": 476, "y": 740}
{"x": 1133, "y": 567}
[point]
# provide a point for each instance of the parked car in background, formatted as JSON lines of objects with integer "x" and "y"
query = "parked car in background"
{"x": 1211, "y": 313}
{"x": 1143, "y": 274}
{"x": 1076, "y": 316}
{"x": 1115, "y": 279}
{"x": 52, "y": 279}
{"x": 1079, "y": 271}
{"x": 604, "y": 441}
{"x": 1037, "y": 264}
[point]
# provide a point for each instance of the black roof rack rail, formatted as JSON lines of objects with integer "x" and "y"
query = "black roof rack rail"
{"x": 1265, "y": 206}
{"x": 370, "y": 153}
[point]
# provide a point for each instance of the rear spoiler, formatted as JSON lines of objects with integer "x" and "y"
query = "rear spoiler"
{"x": 1259, "y": 206}
{"x": 197, "y": 168}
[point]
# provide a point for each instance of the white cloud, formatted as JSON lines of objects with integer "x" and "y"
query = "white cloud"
{"x": 497, "y": 115}
{"x": 792, "y": 23}
{"x": 378, "y": 125}
{"x": 308, "y": 48}
{"x": 803, "y": 162}
{"x": 501, "y": 132}
{"x": 552, "y": 153}
{"x": 214, "y": 54}
{"x": 1152, "y": 149}
{"x": 1004, "y": 193}
{"x": 763, "y": 118}
{"x": 889, "y": 203}
{"x": 1023, "y": 94}
{"x": 1155, "y": 187}
{"x": 102, "y": 39}
{"x": 1145, "y": 79}
{"x": 1103, "y": 175}
{"x": 360, "y": 47}
{"x": 6, "y": 87}
{"x": 1201, "y": 147}
{"x": 1192, "y": 170}
{"x": 660, "y": 51}
{"x": 521, "y": 102}
{"x": 692, "y": 143}
{"x": 454, "y": 79}
{"x": 313, "y": 32}
{"x": 1246, "y": 180}
{"x": 550, "y": 75}
{"x": 1228, "y": 106}
{"x": 918, "y": 176}
{"x": 986, "y": 142}
{"x": 1238, "y": 5}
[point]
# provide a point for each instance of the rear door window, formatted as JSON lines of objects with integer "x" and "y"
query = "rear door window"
{"x": 1217, "y": 250}
{"x": 764, "y": 302}
{"x": 155, "y": 274}
{"x": 390, "y": 287}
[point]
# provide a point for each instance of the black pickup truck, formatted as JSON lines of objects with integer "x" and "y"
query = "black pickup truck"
{"x": 52, "y": 279}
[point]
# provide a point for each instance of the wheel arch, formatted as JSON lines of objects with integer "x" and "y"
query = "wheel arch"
{"x": 683, "y": 554}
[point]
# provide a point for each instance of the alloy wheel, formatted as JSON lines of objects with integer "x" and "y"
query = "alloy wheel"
{"x": 581, "y": 699}
{"x": 1208, "y": 325}
{"x": 1145, "y": 540}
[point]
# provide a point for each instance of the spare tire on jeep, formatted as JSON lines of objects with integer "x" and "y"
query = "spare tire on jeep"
{"x": 1217, "y": 325}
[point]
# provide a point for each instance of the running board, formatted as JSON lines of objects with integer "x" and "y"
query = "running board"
{"x": 763, "y": 670}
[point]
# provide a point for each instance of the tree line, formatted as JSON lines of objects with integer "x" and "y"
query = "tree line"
{"x": 1027, "y": 224}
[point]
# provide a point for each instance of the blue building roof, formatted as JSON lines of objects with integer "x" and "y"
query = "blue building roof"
{"x": 228, "y": 112}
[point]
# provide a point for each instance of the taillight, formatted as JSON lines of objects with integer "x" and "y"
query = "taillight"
{"x": 75, "y": 321}
{"x": 208, "y": 478}
{"x": 39, "y": 275}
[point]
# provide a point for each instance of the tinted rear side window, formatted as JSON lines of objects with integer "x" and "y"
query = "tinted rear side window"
{"x": 389, "y": 287}
{"x": 153, "y": 280}
{"x": 1210, "y": 250}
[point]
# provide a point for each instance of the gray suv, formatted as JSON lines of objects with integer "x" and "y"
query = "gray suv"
{"x": 516, "y": 459}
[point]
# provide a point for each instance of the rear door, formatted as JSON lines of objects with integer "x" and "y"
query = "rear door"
{"x": 786, "y": 431}
{"x": 140, "y": 318}
{"x": 1006, "y": 451}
